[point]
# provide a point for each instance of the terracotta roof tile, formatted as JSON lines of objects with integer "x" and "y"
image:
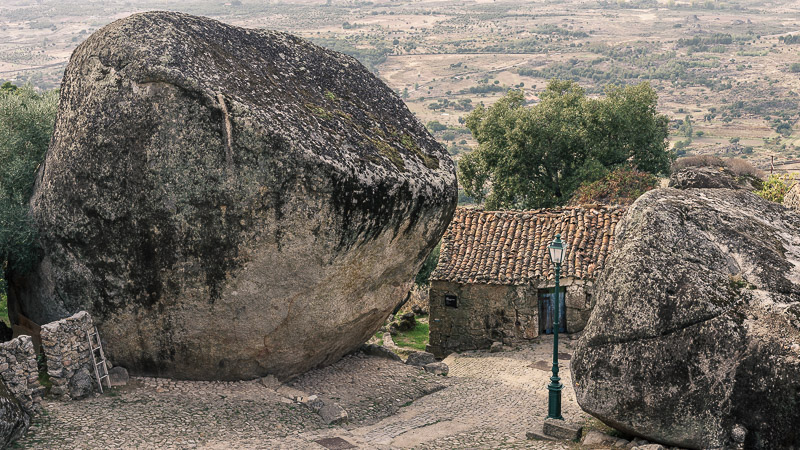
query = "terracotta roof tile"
{"x": 510, "y": 247}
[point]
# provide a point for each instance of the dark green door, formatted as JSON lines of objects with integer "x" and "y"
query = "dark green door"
{"x": 547, "y": 312}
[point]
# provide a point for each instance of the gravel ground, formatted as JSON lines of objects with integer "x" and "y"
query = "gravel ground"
{"x": 489, "y": 401}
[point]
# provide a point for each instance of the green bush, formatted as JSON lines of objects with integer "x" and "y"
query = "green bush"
{"x": 26, "y": 124}
{"x": 775, "y": 187}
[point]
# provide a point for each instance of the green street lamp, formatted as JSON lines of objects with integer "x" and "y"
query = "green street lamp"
{"x": 556, "y": 249}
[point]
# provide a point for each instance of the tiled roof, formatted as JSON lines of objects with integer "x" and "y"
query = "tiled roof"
{"x": 510, "y": 247}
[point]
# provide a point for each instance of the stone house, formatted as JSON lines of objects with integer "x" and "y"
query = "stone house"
{"x": 495, "y": 280}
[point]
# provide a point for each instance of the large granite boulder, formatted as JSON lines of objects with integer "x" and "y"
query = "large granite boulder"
{"x": 694, "y": 340}
{"x": 229, "y": 203}
{"x": 14, "y": 420}
{"x": 712, "y": 177}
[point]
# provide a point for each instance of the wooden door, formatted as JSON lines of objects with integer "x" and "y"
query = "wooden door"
{"x": 547, "y": 312}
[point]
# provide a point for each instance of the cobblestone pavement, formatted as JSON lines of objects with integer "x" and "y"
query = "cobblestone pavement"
{"x": 489, "y": 401}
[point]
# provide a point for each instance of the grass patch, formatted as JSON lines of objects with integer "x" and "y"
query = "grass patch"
{"x": 416, "y": 338}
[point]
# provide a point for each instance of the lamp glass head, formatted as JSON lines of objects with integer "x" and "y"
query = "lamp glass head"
{"x": 556, "y": 249}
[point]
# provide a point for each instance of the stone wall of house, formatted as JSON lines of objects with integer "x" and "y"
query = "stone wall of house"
{"x": 19, "y": 371}
{"x": 69, "y": 361}
{"x": 487, "y": 313}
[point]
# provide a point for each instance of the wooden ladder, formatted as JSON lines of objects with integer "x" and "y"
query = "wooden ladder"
{"x": 98, "y": 358}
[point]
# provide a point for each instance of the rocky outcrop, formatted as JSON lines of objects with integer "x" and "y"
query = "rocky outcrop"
{"x": 792, "y": 198}
{"x": 694, "y": 340}
{"x": 712, "y": 178}
{"x": 230, "y": 203}
{"x": 14, "y": 420}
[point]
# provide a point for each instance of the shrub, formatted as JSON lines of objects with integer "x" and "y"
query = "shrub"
{"x": 621, "y": 187}
{"x": 26, "y": 124}
{"x": 698, "y": 161}
{"x": 740, "y": 167}
{"x": 434, "y": 126}
{"x": 776, "y": 186}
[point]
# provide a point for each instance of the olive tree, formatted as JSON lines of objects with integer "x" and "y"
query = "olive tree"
{"x": 26, "y": 125}
{"x": 537, "y": 156}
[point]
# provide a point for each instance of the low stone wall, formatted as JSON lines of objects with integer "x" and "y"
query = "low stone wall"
{"x": 19, "y": 371}
{"x": 69, "y": 362}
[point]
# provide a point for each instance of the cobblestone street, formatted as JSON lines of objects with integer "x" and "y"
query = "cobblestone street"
{"x": 489, "y": 401}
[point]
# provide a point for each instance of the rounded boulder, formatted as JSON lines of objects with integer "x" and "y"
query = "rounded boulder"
{"x": 229, "y": 203}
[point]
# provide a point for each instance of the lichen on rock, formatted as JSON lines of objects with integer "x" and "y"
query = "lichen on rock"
{"x": 215, "y": 198}
{"x": 692, "y": 341}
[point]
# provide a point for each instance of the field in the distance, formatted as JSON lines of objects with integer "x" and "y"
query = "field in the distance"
{"x": 732, "y": 67}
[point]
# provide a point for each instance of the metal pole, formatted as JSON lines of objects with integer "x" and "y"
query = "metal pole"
{"x": 555, "y": 386}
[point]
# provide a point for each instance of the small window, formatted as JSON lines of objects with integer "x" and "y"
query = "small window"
{"x": 451, "y": 301}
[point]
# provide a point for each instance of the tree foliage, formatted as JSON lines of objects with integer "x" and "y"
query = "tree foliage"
{"x": 533, "y": 157}
{"x": 26, "y": 124}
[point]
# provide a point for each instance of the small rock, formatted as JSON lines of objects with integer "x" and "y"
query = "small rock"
{"x": 420, "y": 358}
{"x": 651, "y": 447}
{"x": 81, "y": 385}
{"x": 315, "y": 404}
{"x": 270, "y": 382}
{"x": 739, "y": 433}
{"x": 437, "y": 368}
{"x": 496, "y": 347}
{"x": 333, "y": 414}
{"x": 292, "y": 393}
{"x": 561, "y": 429}
{"x": 118, "y": 376}
{"x": 598, "y": 438}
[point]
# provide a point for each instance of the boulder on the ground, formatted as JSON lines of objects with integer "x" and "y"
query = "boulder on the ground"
{"x": 81, "y": 385}
{"x": 118, "y": 376}
{"x": 697, "y": 310}
{"x": 333, "y": 413}
{"x": 437, "y": 368}
{"x": 229, "y": 203}
{"x": 712, "y": 177}
{"x": 597, "y": 439}
{"x": 14, "y": 420}
{"x": 420, "y": 359}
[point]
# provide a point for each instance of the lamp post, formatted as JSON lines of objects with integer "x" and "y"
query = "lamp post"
{"x": 556, "y": 249}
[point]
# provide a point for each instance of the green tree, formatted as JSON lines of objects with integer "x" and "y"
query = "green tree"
{"x": 532, "y": 157}
{"x": 26, "y": 125}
